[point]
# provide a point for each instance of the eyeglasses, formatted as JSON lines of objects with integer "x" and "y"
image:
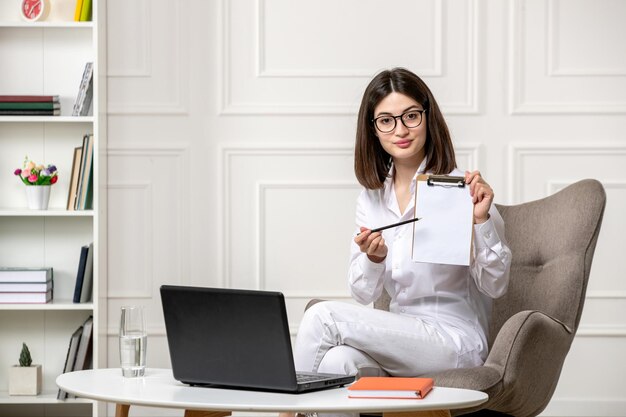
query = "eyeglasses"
{"x": 410, "y": 119}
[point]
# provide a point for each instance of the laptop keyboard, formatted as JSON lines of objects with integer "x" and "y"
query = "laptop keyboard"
{"x": 304, "y": 378}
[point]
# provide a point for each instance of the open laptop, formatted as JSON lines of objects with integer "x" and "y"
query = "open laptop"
{"x": 231, "y": 338}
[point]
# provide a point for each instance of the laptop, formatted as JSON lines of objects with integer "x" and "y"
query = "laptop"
{"x": 230, "y": 338}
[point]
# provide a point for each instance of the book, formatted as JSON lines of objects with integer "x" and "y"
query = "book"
{"x": 29, "y": 105}
{"x": 25, "y": 274}
{"x": 70, "y": 358}
{"x": 26, "y": 286}
{"x": 84, "y": 346}
{"x": 28, "y": 98}
{"x": 86, "y": 105}
{"x": 390, "y": 387}
{"x": 87, "y": 197}
{"x": 71, "y": 194}
{"x": 55, "y": 112}
{"x": 85, "y": 292}
{"x": 77, "y": 9}
{"x": 85, "y": 12}
{"x": 85, "y": 177}
{"x": 25, "y": 297}
{"x": 85, "y": 81}
{"x": 84, "y": 350}
{"x": 80, "y": 273}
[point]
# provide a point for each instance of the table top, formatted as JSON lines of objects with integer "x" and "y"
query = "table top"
{"x": 158, "y": 388}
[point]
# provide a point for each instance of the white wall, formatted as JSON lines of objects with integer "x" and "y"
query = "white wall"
{"x": 231, "y": 127}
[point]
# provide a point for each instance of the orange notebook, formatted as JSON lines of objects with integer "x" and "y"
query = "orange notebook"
{"x": 390, "y": 387}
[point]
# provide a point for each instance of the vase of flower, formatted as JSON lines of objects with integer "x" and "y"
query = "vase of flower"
{"x": 38, "y": 180}
{"x": 38, "y": 196}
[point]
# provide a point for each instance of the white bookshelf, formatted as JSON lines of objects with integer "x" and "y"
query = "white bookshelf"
{"x": 48, "y": 58}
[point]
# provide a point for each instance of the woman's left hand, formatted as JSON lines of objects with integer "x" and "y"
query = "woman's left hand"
{"x": 482, "y": 195}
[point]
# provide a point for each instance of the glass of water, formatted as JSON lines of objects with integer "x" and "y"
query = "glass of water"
{"x": 133, "y": 341}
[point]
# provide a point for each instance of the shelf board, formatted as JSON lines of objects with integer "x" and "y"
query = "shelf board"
{"x": 58, "y": 24}
{"x": 46, "y": 119}
{"x": 62, "y": 305}
{"x": 55, "y": 212}
{"x": 44, "y": 398}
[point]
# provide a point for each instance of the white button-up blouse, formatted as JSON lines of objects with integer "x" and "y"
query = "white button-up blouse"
{"x": 455, "y": 299}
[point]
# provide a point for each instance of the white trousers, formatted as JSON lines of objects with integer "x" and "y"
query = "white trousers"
{"x": 344, "y": 338}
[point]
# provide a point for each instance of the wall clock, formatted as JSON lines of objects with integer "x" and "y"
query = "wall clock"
{"x": 33, "y": 10}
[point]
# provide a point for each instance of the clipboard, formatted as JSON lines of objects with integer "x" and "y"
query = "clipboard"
{"x": 444, "y": 235}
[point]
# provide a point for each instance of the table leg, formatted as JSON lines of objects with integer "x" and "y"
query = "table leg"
{"x": 121, "y": 410}
{"x": 204, "y": 413}
{"x": 434, "y": 413}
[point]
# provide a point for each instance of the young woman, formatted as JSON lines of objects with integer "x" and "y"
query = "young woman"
{"x": 439, "y": 314}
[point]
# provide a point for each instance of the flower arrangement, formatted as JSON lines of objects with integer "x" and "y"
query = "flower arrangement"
{"x": 33, "y": 174}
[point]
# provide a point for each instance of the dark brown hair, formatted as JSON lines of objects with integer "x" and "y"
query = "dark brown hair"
{"x": 371, "y": 161}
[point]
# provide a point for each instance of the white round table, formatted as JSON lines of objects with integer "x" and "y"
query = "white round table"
{"x": 158, "y": 388}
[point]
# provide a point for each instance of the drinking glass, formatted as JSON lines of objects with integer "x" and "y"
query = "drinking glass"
{"x": 133, "y": 338}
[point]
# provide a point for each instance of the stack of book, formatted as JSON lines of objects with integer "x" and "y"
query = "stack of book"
{"x": 26, "y": 285}
{"x": 80, "y": 193}
{"x": 29, "y": 105}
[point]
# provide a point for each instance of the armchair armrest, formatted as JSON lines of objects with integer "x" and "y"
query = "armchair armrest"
{"x": 522, "y": 369}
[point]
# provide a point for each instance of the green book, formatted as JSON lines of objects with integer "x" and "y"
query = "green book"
{"x": 85, "y": 11}
{"x": 12, "y": 105}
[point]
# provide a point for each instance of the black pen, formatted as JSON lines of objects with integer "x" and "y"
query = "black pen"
{"x": 389, "y": 226}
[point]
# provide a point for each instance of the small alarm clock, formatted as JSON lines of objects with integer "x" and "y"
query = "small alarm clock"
{"x": 34, "y": 10}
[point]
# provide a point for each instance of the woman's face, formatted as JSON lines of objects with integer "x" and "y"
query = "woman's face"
{"x": 404, "y": 144}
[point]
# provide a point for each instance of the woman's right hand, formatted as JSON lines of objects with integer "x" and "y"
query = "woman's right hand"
{"x": 372, "y": 244}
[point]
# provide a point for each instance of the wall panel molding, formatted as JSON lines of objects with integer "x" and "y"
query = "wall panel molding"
{"x": 178, "y": 105}
{"x": 177, "y": 156}
{"x": 517, "y": 84}
{"x": 228, "y": 153}
{"x": 553, "y": 43}
{"x": 227, "y": 106}
{"x": 261, "y": 212}
{"x": 518, "y": 152}
{"x": 143, "y": 20}
{"x": 263, "y": 71}
{"x": 146, "y": 220}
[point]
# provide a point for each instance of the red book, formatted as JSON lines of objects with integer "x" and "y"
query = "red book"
{"x": 390, "y": 387}
{"x": 28, "y": 99}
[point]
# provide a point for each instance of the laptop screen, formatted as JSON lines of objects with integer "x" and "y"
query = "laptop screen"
{"x": 227, "y": 337}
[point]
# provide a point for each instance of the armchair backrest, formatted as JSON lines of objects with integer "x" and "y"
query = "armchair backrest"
{"x": 552, "y": 241}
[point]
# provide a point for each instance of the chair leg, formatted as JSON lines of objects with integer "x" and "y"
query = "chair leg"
{"x": 433, "y": 413}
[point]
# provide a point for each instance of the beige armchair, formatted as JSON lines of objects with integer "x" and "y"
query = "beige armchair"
{"x": 533, "y": 324}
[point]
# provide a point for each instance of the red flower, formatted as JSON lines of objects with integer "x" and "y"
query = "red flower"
{"x": 54, "y": 179}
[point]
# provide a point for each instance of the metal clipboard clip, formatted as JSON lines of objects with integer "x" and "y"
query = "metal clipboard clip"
{"x": 446, "y": 181}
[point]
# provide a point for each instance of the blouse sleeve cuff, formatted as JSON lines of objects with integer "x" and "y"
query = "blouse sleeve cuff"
{"x": 486, "y": 235}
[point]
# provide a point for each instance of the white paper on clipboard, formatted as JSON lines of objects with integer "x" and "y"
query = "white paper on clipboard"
{"x": 444, "y": 233}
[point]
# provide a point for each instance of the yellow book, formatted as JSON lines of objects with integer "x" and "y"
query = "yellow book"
{"x": 77, "y": 10}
